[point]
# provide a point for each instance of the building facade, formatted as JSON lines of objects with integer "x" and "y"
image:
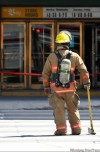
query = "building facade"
{"x": 27, "y": 36}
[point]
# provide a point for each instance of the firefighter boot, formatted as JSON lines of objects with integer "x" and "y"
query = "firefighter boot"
{"x": 76, "y": 131}
{"x": 60, "y": 132}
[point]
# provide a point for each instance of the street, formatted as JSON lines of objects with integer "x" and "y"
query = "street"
{"x": 37, "y": 135}
{"x": 41, "y": 114}
{"x": 37, "y": 108}
{"x": 26, "y": 124}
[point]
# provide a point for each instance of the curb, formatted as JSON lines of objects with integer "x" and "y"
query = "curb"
{"x": 41, "y": 93}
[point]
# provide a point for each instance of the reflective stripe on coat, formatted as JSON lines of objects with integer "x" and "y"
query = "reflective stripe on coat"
{"x": 59, "y": 89}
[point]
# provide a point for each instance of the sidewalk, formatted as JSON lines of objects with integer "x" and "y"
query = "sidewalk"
{"x": 37, "y": 135}
{"x": 41, "y": 102}
{"x": 35, "y": 92}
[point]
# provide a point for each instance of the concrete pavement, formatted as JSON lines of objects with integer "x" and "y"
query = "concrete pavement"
{"x": 37, "y": 135}
{"x": 26, "y": 125}
{"x": 42, "y": 114}
{"x": 38, "y": 102}
{"x": 40, "y": 92}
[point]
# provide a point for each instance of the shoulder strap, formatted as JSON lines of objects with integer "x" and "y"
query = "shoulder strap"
{"x": 68, "y": 55}
{"x": 60, "y": 57}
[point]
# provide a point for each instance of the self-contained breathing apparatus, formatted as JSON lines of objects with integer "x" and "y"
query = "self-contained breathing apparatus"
{"x": 63, "y": 76}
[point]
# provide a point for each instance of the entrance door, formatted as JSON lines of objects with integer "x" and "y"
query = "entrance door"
{"x": 92, "y": 53}
{"x": 41, "y": 44}
{"x": 75, "y": 28}
{"x": 97, "y": 57}
{"x": 13, "y": 50}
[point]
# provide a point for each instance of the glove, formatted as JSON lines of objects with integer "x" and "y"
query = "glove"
{"x": 86, "y": 85}
{"x": 47, "y": 90}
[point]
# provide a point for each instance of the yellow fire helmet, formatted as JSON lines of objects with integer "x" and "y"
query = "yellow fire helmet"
{"x": 63, "y": 37}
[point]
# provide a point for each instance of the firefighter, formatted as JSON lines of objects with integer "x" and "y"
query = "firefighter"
{"x": 60, "y": 85}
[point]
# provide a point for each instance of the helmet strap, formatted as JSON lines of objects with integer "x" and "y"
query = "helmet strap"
{"x": 66, "y": 47}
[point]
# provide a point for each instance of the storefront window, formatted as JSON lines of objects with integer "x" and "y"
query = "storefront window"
{"x": 74, "y": 29}
{"x": 13, "y": 52}
{"x": 41, "y": 47}
{"x": 98, "y": 56}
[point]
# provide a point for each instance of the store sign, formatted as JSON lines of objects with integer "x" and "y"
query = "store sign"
{"x": 71, "y": 12}
{"x": 22, "y": 12}
{"x": 50, "y": 12}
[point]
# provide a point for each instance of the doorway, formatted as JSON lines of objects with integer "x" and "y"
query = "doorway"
{"x": 13, "y": 54}
{"x": 92, "y": 53}
{"x": 24, "y": 51}
{"x": 25, "y": 47}
{"x": 41, "y": 44}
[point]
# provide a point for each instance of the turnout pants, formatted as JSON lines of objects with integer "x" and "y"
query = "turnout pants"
{"x": 61, "y": 102}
